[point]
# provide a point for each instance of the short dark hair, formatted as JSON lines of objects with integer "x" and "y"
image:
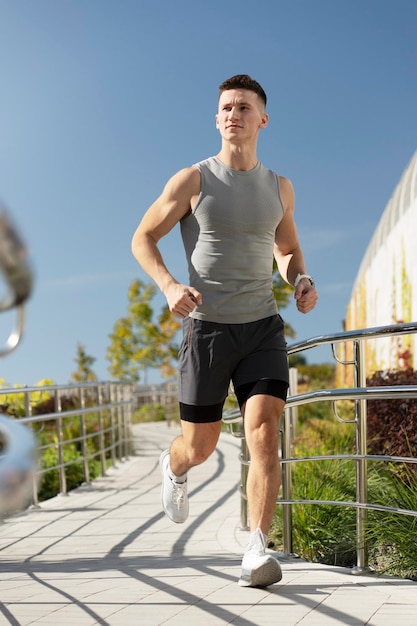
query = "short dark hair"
{"x": 243, "y": 81}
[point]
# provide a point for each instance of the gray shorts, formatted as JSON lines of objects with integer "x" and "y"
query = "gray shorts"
{"x": 213, "y": 354}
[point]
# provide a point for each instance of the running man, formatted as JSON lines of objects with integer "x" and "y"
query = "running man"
{"x": 234, "y": 215}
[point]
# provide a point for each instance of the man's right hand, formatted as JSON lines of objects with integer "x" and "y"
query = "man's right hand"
{"x": 182, "y": 300}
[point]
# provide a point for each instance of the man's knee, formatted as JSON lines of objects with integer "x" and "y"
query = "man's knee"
{"x": 263, "y": 440}
{"x": 200, "y": 440}
{"x": 261, "y": 418}
{"x": 196, "y": 456}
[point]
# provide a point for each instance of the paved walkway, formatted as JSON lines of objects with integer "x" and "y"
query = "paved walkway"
{"x": 107, "y": 555}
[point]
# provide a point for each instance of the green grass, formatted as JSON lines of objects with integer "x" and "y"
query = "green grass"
{"x": 327, "y": 534}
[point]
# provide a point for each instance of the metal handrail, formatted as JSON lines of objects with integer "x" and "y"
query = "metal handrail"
{"x": 19, "y": 472}
{"x": 18, "y": 275}
{"x": 17, "y": 458}
{"x": 374, "y": 332}
{"x": 16, "y": 333}
{"x": 360, "y": 394}
{"x": 95, "y": 401}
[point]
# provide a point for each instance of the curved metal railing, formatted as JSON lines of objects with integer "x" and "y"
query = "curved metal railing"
{"x": 18, "y": 276}
{"x": 79, "y": 423}
{"x": 17, "y": 444}
{"x": 359, "y": 394}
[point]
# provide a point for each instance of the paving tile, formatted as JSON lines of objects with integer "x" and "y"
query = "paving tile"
{"x": 106, "y": 554}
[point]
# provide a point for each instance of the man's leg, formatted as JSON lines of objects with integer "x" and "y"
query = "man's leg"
{"x": 261, "y": 418}
{"x": 193, "y": 446}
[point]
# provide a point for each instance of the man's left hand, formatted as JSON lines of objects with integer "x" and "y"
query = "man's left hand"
{"x": 305, "y": 296}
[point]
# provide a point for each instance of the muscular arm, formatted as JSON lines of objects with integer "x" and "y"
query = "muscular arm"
{"x": 179, "y": 194}
{"x": 288, "y": 253}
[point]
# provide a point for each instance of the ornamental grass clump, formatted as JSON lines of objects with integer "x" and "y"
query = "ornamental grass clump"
{"x": 327, "y": 533}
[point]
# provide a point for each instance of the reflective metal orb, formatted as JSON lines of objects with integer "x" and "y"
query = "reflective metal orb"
{"x": 18, "y": 464}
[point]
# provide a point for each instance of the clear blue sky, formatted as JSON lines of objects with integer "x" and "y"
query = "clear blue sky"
{"x": 103, "y": 100}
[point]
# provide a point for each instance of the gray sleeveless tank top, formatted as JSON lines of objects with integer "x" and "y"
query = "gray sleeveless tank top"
{"x": 229, "y": 242}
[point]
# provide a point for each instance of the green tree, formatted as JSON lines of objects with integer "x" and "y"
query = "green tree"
{"x": 85, "y": 362}
{"x": 121, "y": 350}
{"x": 137, "y": 342}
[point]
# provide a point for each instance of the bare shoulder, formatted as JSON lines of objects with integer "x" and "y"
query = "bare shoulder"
{"x": 185, "y": 182}
{"x": 172, "y": 205}
{"x": 287, "y": 193}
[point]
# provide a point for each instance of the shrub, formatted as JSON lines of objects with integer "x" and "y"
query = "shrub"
{"x": 320, "y": 376}
{"x": 149, "y": 413}
{"x": 74, "y": 473}
{"x": 323, "y": 533}
{"x": 392, "y": 424}
{"x": 392, "y": 549}
{"x": 327, "y": 533}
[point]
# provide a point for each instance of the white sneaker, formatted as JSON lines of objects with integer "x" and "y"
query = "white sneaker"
{"x": 258, "y": 568}
{"x": 174, "y": 494}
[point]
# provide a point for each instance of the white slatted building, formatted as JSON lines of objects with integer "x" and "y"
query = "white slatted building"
{"x": 385, "y": 290}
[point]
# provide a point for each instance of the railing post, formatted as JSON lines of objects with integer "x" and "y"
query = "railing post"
{"x": 84, "y": 437}
{"x": 289, "y": 421}
{"x": 101, "y": 437}
{"x": 244, "y": 468}
{"x": 117, "y": 390}
{"x": 60, "y": 436}
{"x": 286, "y": 482}
{"x": 361, "y": 463}
{"x": 124, "y": 418}
{"x": 28, "y": 413}
{"x": 128, "y": 411}
{"x": 112, "y": 426}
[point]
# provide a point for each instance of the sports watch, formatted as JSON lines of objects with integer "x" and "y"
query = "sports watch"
{"x": 300, "y": 276}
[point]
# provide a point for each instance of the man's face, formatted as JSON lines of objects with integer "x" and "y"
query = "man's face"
{"x": 240, "y": 115}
